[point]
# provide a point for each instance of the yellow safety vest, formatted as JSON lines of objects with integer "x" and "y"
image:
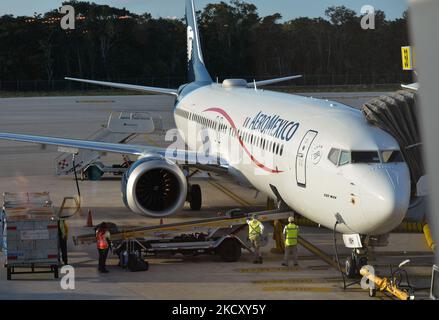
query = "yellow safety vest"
{"x": 64, "y": 229}
{"x": 291, "y": 234}
{"x": 254, "y": 229}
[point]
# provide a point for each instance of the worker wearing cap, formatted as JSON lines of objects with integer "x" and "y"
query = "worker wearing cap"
{"x": 291, "y": 233}
{"x": 255, "y": 232}
{"x": 103, "y": 244}
{"x": 63, "y": 233}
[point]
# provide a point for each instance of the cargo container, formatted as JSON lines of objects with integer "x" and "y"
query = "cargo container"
{"x": 29, "y": 227}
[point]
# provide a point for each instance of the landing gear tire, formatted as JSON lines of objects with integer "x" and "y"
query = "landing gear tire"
{"x": 351, "y": 267}
{"x": 195, "y": 198}
{"x": 362, "y": 261}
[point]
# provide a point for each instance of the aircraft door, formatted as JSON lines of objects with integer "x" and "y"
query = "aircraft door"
{"x": 302, "y": 156}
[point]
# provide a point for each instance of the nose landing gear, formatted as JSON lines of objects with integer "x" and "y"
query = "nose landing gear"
{"x": 354, "y": 263}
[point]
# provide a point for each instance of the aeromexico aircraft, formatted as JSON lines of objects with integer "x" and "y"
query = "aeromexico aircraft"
{"x": 320, "y": 158}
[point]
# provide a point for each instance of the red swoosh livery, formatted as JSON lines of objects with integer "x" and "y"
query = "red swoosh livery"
{"x": 241, "y": 142}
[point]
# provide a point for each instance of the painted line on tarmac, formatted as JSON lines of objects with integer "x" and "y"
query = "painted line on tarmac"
{"x": 298, "y": 289}
{"x": 95, "y": 101}
{"x": 317, "y": 268}
{"x": 229, "y": 193}
{"x": 286, "y": 281}
{"x": 151, "y": 142}
{"x": 267, "y": 270}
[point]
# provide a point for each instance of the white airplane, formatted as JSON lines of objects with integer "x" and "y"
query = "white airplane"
{"x": 317, "y": 157}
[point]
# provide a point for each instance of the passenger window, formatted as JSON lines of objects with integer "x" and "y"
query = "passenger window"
{"x": 333, "y": 156}
{"x": 392, "y": 156}
{"x": 345, "y": 158}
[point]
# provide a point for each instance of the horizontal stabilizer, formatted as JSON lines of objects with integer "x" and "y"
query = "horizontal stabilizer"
{"x": 171, "y": 92}
{"x": 272, "y": 81}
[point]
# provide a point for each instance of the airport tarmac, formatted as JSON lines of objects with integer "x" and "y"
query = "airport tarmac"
{"x": 28, "y": 168}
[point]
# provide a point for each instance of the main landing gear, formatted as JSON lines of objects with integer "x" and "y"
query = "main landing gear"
{"x": 194, "y": 196}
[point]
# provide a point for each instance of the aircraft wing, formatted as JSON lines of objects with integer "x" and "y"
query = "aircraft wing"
{"x": 179, "y": 156}
{"x": 272, "y": 81}
{"x": 171, "y": 92}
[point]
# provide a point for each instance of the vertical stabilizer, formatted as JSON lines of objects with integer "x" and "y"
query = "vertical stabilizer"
{"x": 197, "y": 71}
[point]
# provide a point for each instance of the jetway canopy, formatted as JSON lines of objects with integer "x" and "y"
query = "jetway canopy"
{"x": 398, "y": 115}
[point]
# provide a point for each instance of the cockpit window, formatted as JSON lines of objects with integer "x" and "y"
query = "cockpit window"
{"x": 365, "y": 157}
{"x": 345, "y": 158}
{"x": 333, "y": 156}
{"x": 392, "y": 156}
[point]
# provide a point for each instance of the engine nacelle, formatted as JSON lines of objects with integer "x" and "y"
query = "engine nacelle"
{"x": 154, "y": 187}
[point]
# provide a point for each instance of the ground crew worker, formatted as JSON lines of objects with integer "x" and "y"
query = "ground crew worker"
{"x": 63, "y": 233}
{"x": 291, "y": 232}
{"x": 103, "y": 244}
{"x": 255, "y": 232}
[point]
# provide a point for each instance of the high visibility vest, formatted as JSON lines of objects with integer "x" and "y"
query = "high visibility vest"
{"x": 63, "y": 228}
{"x": 254, "y": 229}
{"x": 101, "y": 241}
{"x": 291, "y": 234}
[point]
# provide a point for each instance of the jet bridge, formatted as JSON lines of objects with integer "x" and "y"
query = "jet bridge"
{"x": 122, "y": 127}
{"x": 398, "y": 115}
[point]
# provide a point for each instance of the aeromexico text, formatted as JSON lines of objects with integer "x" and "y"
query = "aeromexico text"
{"x": 272, "y": 125}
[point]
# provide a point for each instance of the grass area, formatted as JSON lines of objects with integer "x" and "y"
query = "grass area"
{"x": 288, "y": 89}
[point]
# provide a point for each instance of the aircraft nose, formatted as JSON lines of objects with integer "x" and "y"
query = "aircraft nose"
{"x": 385, "y": 197}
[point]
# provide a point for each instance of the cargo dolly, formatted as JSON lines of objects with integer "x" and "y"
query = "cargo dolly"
{"x": 216, "y": 236}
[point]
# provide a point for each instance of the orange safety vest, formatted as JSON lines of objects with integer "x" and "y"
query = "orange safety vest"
{"x": 101, "y": 241}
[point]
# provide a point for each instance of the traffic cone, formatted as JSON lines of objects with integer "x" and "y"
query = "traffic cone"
{"x": 89, "y": 220}
{"x": 161, "y": 221}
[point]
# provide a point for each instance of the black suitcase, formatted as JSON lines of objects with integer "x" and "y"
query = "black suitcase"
{"x": 136, "y": 264}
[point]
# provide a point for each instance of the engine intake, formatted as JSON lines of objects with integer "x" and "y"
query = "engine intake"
{"x": 154, "y": 187}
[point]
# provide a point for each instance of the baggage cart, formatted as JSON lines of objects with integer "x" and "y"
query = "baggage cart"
{"x": 29, "y": 234}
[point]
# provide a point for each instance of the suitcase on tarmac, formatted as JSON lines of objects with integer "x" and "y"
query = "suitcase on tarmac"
{"x": 136, "y": 264}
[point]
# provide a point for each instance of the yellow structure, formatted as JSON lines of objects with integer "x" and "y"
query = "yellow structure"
{"x": 407, "y": 59}
{"x": 384, "y": 284}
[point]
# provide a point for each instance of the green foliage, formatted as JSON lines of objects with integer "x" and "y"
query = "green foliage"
{"x": 115, "y": 44}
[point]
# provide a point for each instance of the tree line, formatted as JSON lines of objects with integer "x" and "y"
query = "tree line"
{"x": 115, "y": 44}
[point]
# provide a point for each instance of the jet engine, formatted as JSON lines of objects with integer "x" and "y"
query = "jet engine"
{"x": 154, "y": 187}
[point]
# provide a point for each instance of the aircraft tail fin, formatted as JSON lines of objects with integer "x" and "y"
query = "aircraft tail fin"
{"x": 197, "y": 71}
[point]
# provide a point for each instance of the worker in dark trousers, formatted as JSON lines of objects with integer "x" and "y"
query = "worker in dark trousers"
{"x": 63, "y": 233}
{"x": 103, "y": 244}
{"x": 255, "y": 232}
